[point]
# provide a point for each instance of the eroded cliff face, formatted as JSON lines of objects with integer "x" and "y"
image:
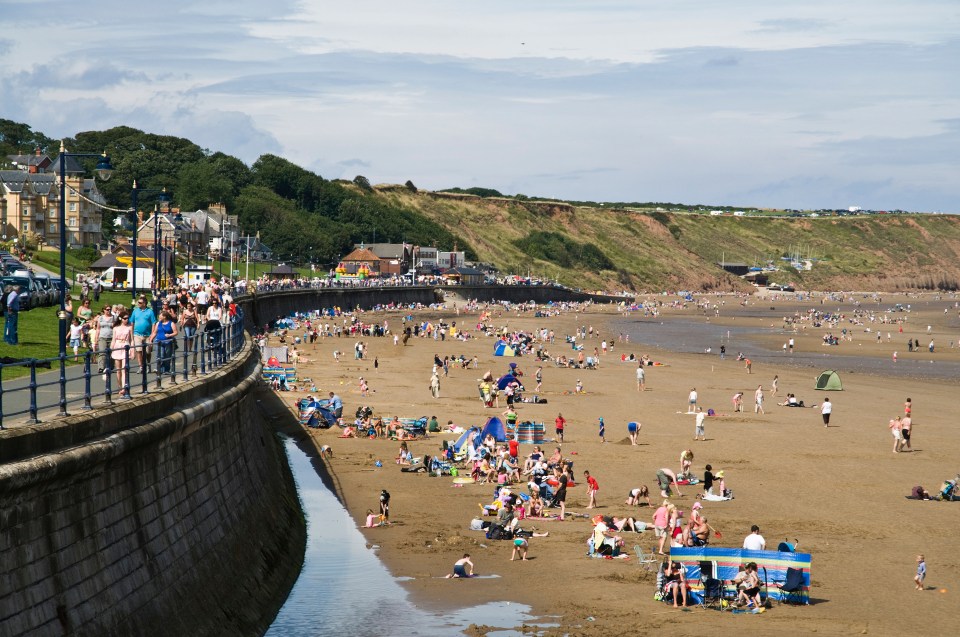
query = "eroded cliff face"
{"x": 655, "y": 250}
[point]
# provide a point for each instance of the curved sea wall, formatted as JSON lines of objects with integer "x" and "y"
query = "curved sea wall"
{"x": 263, "y": 308}
{"x": 170, "y": 514}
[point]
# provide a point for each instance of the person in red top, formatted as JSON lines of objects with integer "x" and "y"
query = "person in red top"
{"x": 592, "y": 487}
{"x": 514, "y": 448}
{"x": 560, "y": 422}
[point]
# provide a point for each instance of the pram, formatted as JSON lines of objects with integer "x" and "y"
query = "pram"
{"x": 950, "y": 491}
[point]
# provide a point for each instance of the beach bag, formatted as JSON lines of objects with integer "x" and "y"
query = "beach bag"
{"x": 476, "y": 524}
{"x": 497, "y": 532}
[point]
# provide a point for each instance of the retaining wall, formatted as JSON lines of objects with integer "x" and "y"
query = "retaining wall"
{"x": 172, "y": 514}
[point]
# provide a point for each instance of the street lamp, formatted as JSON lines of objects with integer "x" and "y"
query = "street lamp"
{"x": 136, "y": 229}
{"x": 104, "y": 170}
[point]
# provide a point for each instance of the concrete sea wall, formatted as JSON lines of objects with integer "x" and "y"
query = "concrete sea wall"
{"x": 171, "y": 514}
{"x": 263, "y": 308}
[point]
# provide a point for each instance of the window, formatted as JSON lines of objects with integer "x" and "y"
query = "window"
{"x": 72, "y": 222}
{"x": 53, "y": 228}
{"x": 73, "y": 206}
{"x": 26, "y": 226}
{"x": 26, "y": 212}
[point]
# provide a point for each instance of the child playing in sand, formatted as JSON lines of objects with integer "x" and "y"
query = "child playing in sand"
{"x": 519, "y": 548}
{"x": 592, "y": 487}
{"x": 579, "y": 388}
{"x": 921, "y": 572}
{"x": 460, "y": 567}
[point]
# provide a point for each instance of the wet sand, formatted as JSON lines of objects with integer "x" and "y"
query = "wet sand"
{"x": 838, "y": 490}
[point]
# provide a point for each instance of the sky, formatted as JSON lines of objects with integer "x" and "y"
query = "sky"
{"x": 801, "y": 104}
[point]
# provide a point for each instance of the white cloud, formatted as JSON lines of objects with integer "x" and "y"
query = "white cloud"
{"x": 811, "y": 103}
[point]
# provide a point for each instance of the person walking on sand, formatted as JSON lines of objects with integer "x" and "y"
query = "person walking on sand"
{"x": 699, "y": 433}
{"x": 641, "y": 378}
{"x": 602, "y": 430}
{"x": 908, "y": 407}
{"x": 435, "y": 385}
{"x": 748, "y": 364}
{"x": 539, "y": 378}
{"x": 906, "y": 430}
{"x": 774, "y": 385}
{"x": 896, "y": 430}
{"x": 592, "y": 487}
{"x": 758, "y": 400}
{"x": 692, "y": 401}
{"x": 825, "y": 410}
{"x": 559, "y": 423}
{"x": 921, "y": 573}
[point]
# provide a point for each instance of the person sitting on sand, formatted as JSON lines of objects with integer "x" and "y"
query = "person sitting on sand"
{"x": 532, "y": 459}
{"x": 462, "y": 567}
{"x": 536, "y": 505}
{"x": 349, "y": 432}
{"x": 556, "y": 459}
{"x": 699, "y": 534}
{"x": 748, "y": 583}
{"x": 404, "y": 456}
{"x": 675, "y": 581}
{"x": 638, "y": 494}
{"x": 379, "y": 428}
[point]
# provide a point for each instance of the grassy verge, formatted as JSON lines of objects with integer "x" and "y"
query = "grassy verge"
{"x": 37, "y": 332}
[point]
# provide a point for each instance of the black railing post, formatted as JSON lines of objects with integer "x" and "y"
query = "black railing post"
{"x": 186, "y": 357}
{"x": 143, "y": 369}
{"x": 63, "y": 382}
{"x": 33, "y": 393}
{"x": 203, "y": 353}
{"x": 2, "y": 367}
{"x": 86, "y": 381}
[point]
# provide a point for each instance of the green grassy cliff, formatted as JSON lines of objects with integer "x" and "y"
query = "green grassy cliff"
{"x": 593, "y": 247}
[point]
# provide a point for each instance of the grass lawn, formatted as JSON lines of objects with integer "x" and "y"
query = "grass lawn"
{"x": 37, "y": 331}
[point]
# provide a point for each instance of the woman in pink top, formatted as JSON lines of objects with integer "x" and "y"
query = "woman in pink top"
{"x": 660, "y": 518}
{"x": 122, "y": 336}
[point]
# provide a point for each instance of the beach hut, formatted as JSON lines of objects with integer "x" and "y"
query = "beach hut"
{"x": 829, "y": 381}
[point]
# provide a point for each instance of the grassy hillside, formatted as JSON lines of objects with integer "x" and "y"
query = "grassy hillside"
{"x": 665, "y": 251}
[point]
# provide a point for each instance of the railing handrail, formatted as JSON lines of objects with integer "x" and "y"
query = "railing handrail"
{"x": 192, "y": 352}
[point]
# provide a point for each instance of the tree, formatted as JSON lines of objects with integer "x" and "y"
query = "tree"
{"x": 363, "y": 183}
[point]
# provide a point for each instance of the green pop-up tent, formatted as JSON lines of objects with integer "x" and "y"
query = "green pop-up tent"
{"x": 829, "y": 381}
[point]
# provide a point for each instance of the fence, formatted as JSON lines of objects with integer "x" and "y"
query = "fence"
{"x": 129, "y": 370}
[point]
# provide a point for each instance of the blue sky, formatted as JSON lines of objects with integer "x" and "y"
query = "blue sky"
{"x": 806, "y": 104}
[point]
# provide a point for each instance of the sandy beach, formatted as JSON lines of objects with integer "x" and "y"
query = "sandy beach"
{"x": 839, "y": 490}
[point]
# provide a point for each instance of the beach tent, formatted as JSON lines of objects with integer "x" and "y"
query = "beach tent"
{"x": 495, "y": 428}
{"x": 829, "y": 381}
{"x": 462, "y": 442}
{"x": 506, "y": 379}
{"x": 502, "y": 349}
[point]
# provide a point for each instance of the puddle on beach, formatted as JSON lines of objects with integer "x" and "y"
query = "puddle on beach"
{"x": 345, "y": 589}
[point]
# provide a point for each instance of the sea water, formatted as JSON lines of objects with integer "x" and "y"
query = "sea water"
{"x": 344, "y": 589}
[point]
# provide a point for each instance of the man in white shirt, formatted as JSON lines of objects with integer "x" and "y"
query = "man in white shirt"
{"x": 755, "y": 541}
{"x": 825, "y": 409}
{"x": 641, "y": 384}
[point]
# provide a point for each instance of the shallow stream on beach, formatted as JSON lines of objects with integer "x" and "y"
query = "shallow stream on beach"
{"x": 344, "y": 589}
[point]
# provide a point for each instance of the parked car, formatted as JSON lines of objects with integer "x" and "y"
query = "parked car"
{"x": 28, "y": 290}
{"x": 52, "y": 293}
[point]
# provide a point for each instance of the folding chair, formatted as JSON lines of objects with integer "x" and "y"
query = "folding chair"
{"x": 643, "y": 559}
{"x": 793, "y": 587}
{"x": 712, "y": 587}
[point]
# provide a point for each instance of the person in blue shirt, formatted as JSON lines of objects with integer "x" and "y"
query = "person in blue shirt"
{"x": 142, "y": 319}
{"x": 12, "y": 315}
{"x": 336, "y": 405}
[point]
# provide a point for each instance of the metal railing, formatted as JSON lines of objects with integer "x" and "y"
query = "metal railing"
{"x": 128, "y": 371}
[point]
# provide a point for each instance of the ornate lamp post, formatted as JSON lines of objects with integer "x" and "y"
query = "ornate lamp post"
{"x": 104, "y": 170}
{"x": 161, "y": 196}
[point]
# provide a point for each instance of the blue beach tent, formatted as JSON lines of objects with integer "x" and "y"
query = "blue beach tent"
{"x": 502, "y": 349}
{"x": 495, "y": 428}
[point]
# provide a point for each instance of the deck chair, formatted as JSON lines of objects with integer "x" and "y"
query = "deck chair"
{"x": 643, "y": 559}
{"x": 791, "y": 591}
{"x": 712, "y": 587}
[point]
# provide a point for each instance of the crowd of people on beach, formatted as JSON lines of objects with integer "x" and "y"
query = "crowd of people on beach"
{"x": 532, "y": 488}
